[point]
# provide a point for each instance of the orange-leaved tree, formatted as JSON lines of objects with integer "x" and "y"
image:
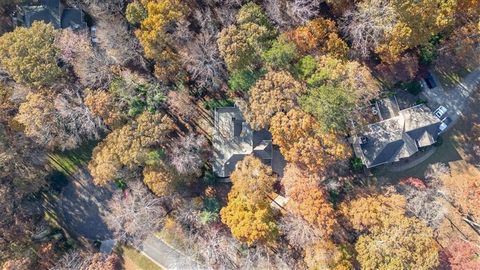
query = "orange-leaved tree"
{"x": 300, "y": 140}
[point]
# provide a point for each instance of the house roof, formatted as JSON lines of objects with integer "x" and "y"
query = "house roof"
{"x": 233, "y": 139}
{"x": 398, "y": 137}
{"x": 52, "y": 11}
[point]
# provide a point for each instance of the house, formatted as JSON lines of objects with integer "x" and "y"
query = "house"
{"x": 399, "y": 134}
{"x": 233, "y": 139}
{"x": 54, "y": 12}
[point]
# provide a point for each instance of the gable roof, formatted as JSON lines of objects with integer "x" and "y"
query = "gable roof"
{"x": 398, "y": 137}
{"x": 233, "y": 139}
{"x": 52, "y": 11}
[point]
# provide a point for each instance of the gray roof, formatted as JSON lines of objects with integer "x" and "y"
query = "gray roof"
{"x": 398, "y": 137}
{"x": 233, "y": 139}
{"x": 52, "y": 11}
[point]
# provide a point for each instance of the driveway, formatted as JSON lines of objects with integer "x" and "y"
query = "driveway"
{"x": 454, "y": 99}
{"x": 81, "y": 205}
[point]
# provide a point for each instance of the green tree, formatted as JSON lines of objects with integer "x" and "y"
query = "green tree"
{"x": 29, "y": 56}
{"x": 330, "y": 105}
{"x": 135, "y": 12}
{"x": 281, "y": 55}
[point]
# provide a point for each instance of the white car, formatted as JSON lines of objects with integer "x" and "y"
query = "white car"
{"x": 440, "y": 111}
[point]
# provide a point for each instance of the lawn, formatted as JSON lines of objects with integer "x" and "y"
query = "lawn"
{"x": 135, "y": 260}
{"x": 444, "y": 153}
{"x": 69, "y": 161}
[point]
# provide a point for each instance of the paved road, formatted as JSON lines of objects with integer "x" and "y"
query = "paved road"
{"x": 167, "y": 257}
{"x": 453, "y": 99}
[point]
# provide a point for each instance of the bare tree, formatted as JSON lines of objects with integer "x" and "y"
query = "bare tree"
{"x": 189, "y": 154}
{"x": 91, "y": 67}
{"x": 298, "y": 232}
{"x": 435, "y": 172}
{"x": 202, "y": 61}
{"x": 425, "y": 204}
{"x": 135, "y": 214}
{"x": 368, "y": 24}
{"x": 275, "y": 10}
{"x": 303, "y": 10}
{"x": 73, "y": 260}
{"x": 181, "y": 104}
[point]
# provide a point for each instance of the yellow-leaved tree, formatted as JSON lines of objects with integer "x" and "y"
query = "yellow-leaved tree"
{"x": 248, "y": 213}
{"x": 127, "y": 148}
{"x": 29, "y": 56}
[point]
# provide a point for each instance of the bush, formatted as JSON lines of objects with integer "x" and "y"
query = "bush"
{"x": 357, "y": 164}
{"x": 412, "y": 87}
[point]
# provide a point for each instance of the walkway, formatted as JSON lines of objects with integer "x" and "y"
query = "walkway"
{"x": 166, "y": 256}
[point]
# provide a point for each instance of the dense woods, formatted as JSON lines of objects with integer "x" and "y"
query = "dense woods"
{"x": 140, "y": 91}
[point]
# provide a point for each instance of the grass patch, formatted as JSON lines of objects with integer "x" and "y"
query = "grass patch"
{"x": 68, "y": 162}
{"x": 218, "y": 103}
{"x": 138, "y": 259}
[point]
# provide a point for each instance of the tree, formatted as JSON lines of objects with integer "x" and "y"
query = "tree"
{"x": 318, "y": 35}
{"x": 135, "y": 214}
{"x": 156, "y": 36}
{"x": 135, "y": 13}
{"x": 456, "y": 50}
{"x": 106, "y": 106}
{"x": 93, "y": 69}
{"x": 417, "y": 23}
{"x": 277, "y": 91}
{"x": 188, "y": 154}
{"x": 240, "y": 45}
{"x": 58, "y": 120}
{"x": 327, "y": 255}
{"x": 310, "y": 202}
{"x": 402, "y": 243}
{"x": 281, "y": 55}
{"x": 297, "y": 134}
{"x": 462, "y": 255}
{"x": 425, "y": 204}
{"x": 298, "y": 232}
{"x": 202, "y": 61}
{"x": 253, "y": 179}
{"x": 249, "y": 222}
{"x": 368, "y": 212}
{"x": 126, "y": 148}
{"x": 463, "y": 188}
{"x": 331, "y": 106}
{"x": 368, "y": 25}
{"x": 159, "y": 179}
{"x": 350, "y": 75}
{"x": 22, "y": 163}
{"x": 181, "y": 104}
{"x": 38, "y": 67}
{"x": 248, "y": 213}
{"x": 161, "y": 17}
{"x": 302, "y": 10}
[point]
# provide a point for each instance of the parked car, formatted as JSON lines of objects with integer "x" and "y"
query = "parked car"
{"x": 440, "y": 111}
{"x": 430, "y": 81}
{"x": 445, "y": 123}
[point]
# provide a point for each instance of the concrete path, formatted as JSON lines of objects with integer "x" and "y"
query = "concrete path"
{"x": 167, "y": 257}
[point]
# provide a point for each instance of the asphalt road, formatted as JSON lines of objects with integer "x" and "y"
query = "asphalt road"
{"x": 167, "y": 257}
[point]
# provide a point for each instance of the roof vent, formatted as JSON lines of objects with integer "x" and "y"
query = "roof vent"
{"x": 363, "y": 140}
